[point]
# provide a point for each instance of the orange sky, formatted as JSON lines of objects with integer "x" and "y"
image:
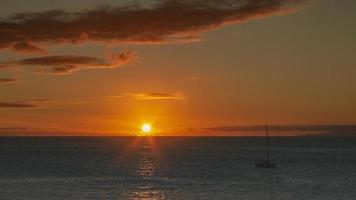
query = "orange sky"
{"x": 186, "y": 67}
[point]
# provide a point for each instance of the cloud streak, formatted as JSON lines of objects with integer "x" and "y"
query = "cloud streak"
{"x": 16, "y": 105}
{"x": 326, "y": 130}
{"x": 67, "y": 64}
{"x": 149, "y": 96}
{"x": 7, "y": 80}
{"x": 13, "y": 128}
{"x": 167, "y": 21}
{"x": 156, "y": 96}
{"x": 27, "y": 48}
{"x": 42, "y": 100}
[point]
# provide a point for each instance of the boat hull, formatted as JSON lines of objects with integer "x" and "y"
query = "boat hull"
{"x": 265, "y": 164}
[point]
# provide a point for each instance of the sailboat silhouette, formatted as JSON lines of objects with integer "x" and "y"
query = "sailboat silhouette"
{"x": 268, "y": 162}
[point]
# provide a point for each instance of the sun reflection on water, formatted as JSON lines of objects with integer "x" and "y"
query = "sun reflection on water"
{"x": 146, "y": 175}
{"x": 146, "y": 167}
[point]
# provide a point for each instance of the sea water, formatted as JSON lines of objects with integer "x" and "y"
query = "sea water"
{"x": 109, "y": 168}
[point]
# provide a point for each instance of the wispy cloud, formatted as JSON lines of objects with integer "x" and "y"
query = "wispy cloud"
{"x": 42, "y": 100}
{"x": 67, "y": 64}
{"x": 31, "y": 103}
{"x": 13, "y": 128}
{"x": 27, "y": 48}
{"x": 7, "y": 80}
{"x": 157, "y": 96}
{"x": 16, "y": 130}
{"x": 150, "y": 96}
{"x": 16, "y": 105}
{"x": 167, "y": 21}
{"x": 310, "y": 129}
{"x": 4, "y": 67}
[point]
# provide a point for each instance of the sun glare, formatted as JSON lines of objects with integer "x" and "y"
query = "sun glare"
{"x": 146, "y": 129}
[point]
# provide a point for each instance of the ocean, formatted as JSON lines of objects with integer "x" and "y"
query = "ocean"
{"x": 113, "y": 168}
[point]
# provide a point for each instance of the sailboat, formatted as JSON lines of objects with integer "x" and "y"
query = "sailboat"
{"x": 268, "y": 162}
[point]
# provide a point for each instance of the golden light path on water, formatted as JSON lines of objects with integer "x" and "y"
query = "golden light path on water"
{"x": 146, "y": 172}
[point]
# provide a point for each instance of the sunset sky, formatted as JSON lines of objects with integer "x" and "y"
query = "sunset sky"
{"x": 187, "y": 67}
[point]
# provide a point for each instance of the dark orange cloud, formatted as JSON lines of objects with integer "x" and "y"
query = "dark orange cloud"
{"x": 4, "y": 66}
{"x": 168, "y": 21}
{"x": 68, "y": 64}
{"x": 26, "y": 47}
{"x": 16, "y": 105}
{"x": 7, "y": 80}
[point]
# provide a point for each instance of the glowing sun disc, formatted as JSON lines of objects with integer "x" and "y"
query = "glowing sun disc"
{"x": 146, "y": 128}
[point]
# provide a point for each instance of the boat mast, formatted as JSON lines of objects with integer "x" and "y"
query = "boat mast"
{"x": 267, "y": 145}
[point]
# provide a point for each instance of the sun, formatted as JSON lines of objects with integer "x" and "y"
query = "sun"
{"x": 146, "y": 129}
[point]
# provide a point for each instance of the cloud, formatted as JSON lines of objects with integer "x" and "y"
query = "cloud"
{"x": 67, "y": 64}
{"x": 166, "y": 21}
{"x": 7, "y": 80}
{"x": 156, "y": 96}
{"x": 150, "y": 96}
{"x": 16, "y": 105}
{"x": 4, "y": 66}
{"x": 325, "y": 130}
{"x": 26, "y": 47}
{"x": 30, "y": 103}
{"x": 13, "y": 128}
{"x": 42, "y": 100}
